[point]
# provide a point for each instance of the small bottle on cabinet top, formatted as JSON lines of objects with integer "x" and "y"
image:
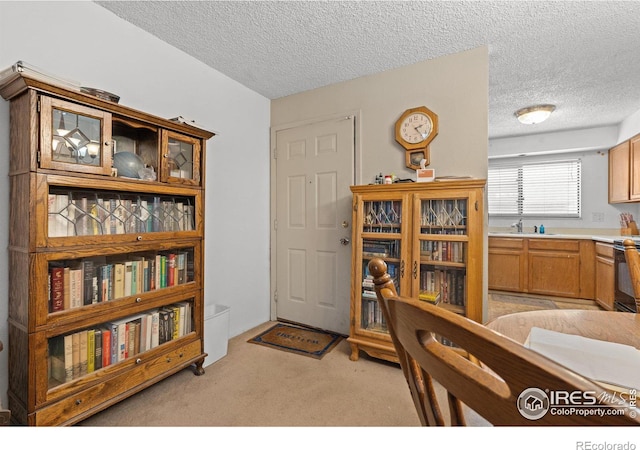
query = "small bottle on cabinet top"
{"x": 541, "y": 229}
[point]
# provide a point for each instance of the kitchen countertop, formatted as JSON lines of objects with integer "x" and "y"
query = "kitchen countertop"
{"x": 599, "y": 238}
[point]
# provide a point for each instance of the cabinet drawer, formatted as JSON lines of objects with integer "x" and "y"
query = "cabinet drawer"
{"x": 84, "y": 403}
{"x": 499, "y": 242}
{"x": 605, "y": 250}
{"x": 554, "y": 244}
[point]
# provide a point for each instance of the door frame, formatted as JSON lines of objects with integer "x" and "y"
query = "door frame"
{"x": 356, "y": 176}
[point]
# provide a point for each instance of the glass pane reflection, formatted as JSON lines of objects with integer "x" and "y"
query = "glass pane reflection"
{"x": 76, "y": 139}
{"x": 180, "y": 159}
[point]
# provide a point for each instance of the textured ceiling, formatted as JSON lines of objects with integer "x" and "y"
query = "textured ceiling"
{"x": 583, "y": 56}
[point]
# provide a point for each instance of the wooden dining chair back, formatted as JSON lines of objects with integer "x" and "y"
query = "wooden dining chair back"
{"x": 632, "y": 258}
{"x": 488, "y": 372}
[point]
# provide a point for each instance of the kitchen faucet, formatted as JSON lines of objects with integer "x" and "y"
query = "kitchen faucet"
{"x": 517, "y": 225}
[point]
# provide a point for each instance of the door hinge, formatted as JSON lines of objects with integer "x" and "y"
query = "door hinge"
{"x": 38, "y": 105}
{"x": 275, "y": 224}
{"x": 275, "y": 153}
{"x": 38, "y": 156}
{"x": 476, "y": 205}
{"x": 275, "y": 296}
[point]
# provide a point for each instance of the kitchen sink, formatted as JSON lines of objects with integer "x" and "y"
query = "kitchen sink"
{"x": 523, "y": 234}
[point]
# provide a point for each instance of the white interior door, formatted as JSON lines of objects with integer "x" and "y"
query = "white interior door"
{"x": 314, "y": 169}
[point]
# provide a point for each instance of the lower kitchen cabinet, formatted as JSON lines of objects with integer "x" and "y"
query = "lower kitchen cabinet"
{"x": 545, "y": 266}
{"x": 605, "y": 275}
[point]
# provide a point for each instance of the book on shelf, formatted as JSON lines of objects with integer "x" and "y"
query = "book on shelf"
{"x": 117, "y": 338}
{"x": 76, "y": 354}
{"x": 68, "y": 357}
{"x": 155, "y": 329}
{"x": 84, "y": 347}
{"x": 91, "y": 350}
{"x": 67, "y": 288}
{"x": 165, "y": 329}
{"x": 128, "y": 271}
{"x": 88, "y": 283}
{"x": 106, "y": 347}
{"x": 369, "y": 295}
{"x": 181, "y": 267}
{"x": 185, "y": 318}
{"x": 76, "y": 287}
{"x": 132, "y": 330}
{"x": 176, "y": 322}
{"x": 56, "y": 289}
{"x": 57, "y": 359}
{"x": 432, "y": 297}
{"x": 118, "y": 280}
{"x": 97, "y": 355}
{"x": 145, "y": 332}
{"x": 171, "y": 265}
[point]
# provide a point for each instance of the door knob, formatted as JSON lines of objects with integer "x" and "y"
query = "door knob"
{"x": 344, "y": 241}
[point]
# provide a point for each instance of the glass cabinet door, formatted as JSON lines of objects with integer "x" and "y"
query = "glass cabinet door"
{"x": 439, "y": 269}
{"x": 74, "y": 137}
{"x": 381, "y": 231}
{"x": 180, "y": 158}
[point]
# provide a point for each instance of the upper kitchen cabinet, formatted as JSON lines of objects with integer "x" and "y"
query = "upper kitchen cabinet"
{"x": 624, "y": 171}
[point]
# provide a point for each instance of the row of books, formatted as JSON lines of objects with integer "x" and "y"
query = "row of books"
{"x": 383, "y": 216}
{"x": 76, "y": 283}
{"x": 381, "y": 248}
{"x": 443, "y": 213}
{"x": 443, "y": 251}
{"x": 368, "y": 288}
{"x": 73, "y": 214}
{"x": 451, "y": 284}
{"x": 74, "y": 355}
{"x": 372, "y": 317}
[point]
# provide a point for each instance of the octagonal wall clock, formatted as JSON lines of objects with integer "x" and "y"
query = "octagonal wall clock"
{"x": 415, "y": 129}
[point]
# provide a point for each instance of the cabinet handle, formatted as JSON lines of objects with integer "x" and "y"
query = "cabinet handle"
{"x": 402, "y": 269}
{"x": 415, "y": 270}
{"x": 138, "y": 360}
{"x": 78, "y": 401}
{"x": 138, "y": 299}
{"x": 138, "y": 238}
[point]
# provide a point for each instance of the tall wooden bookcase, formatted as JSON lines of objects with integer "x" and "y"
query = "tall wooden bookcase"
{"x": 97, "y": 254}
{"x": 431, "y": 237}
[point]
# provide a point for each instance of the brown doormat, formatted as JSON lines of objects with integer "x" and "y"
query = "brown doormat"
{"x": 297, "y": 339}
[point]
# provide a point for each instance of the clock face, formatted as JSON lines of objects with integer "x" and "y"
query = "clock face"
{"x": 415, "y": 128}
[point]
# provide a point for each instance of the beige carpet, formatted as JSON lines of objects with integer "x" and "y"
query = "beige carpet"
{"x": 257, "y": 386}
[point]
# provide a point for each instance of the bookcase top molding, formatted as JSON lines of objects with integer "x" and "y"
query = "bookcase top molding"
{"x": 18, "y": 82}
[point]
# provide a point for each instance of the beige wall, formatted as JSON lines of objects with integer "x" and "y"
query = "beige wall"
{"x": 455, "y": 87}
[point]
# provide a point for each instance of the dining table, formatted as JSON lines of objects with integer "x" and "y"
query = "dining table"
{"x": 610, "y": 326}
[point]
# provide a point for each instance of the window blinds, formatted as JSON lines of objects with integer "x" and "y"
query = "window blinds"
{"x": 540, "y": 189}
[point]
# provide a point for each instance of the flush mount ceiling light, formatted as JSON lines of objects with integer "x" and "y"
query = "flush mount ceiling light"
{"x": 534, "y": 114}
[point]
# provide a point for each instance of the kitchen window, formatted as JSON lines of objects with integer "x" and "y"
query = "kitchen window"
{"x": 534, "y": 189}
